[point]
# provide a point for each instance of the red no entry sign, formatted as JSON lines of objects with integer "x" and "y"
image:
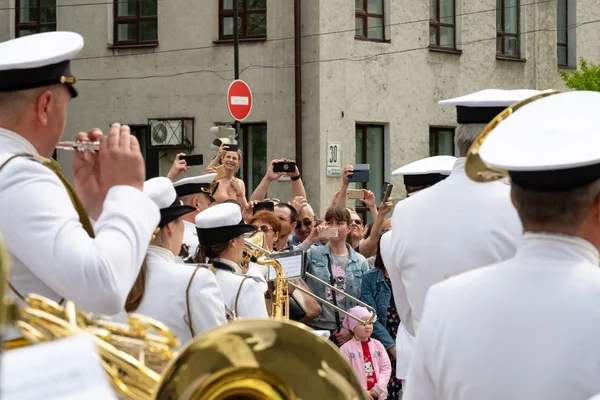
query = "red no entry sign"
{"x": 239, "y": 100}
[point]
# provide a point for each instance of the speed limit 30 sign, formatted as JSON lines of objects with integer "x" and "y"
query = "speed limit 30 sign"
{"x": 334, "y": 159}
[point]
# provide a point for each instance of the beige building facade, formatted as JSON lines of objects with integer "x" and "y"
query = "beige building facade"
{"x": 369, "y": 75}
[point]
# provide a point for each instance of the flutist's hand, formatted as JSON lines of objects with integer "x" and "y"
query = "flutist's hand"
{"x": 86, "y": 173}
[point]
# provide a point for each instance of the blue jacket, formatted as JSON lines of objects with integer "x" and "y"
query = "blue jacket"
{"x": 317, "y": 263}
{"x": 376, "y": 293}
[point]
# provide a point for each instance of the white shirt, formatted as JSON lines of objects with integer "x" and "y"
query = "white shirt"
{"x": 251, "y": 302}
{"x": 448, "y": 228}
{"x": 165, "y": 295}
{"x": 523, "y": 329}
{"x": 51, "y": 253}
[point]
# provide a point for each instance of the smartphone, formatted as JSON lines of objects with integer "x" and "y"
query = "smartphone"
{"x": 263, "y": 205}
{"x": 357, "y": 194}
{"x": 193, "y": 159}
{"x": 284, "y": 166}
{"x": 360, "y": 174}
{"x": 386, "y": 192}
{"x": 220, "y": 173}
{"x": 329, "y": 233}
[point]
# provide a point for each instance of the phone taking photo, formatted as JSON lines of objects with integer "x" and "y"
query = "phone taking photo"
{"x": 263, "y": 205}
{"x": 386, "y": 192}
{"x": 329, "y": 233}
{"x": 357, "y": 194}
{"x": 284, "y": 166}
{"x": 193, "y": 159}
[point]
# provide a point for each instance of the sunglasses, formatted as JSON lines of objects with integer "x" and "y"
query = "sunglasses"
{"x": 307, "y": 223}
{"x": 265, "y": 229}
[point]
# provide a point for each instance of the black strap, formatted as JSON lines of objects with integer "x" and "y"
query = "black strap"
{"x": 333, "y": 292}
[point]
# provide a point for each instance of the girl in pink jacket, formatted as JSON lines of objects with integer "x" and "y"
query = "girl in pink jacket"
{"x": 367, "y": 356}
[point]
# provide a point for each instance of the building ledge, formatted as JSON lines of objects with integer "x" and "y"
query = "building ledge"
{"x": 567, "y": 67}
{"x": 132, "y": 46}
{"x": 241, "y": 40}
{"x": 447, "y": 50}
{"x": 364, "y": 39}
{"x": 506, "y": 58}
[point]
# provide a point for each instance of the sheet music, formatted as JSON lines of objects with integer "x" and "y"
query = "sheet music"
{"x": 292, "y": 265}
{"x": 66, "y": 369}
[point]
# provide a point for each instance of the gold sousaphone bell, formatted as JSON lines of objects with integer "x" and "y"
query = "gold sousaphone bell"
{"x": 475, "y": 168}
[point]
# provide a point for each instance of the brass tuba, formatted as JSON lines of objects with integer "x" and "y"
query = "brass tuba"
{"x": 254, "y": 251}
{"x": 475, "y": 168}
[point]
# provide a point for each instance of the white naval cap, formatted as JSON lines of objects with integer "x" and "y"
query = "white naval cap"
{"x": 427, "y": 171}
{"x": 162, "y": 193}
{"x": 39, "y": 60}
{"x": 549, "y": 144}
{"x": 221, "y": 223}
{"x": 483, "y": 106}
{"x": 195, "y": 184}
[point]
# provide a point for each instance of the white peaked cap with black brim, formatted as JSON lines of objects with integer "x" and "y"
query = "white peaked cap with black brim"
{"x": 39, "y": 60}
{"x": 221, "y": 223}
{"x": 162, "y": 193}
{"x": 195, "y": 184}
{"x": 482, "y": 107}
{"x": 550, "y": 144}
{"x": 427, "y": 171}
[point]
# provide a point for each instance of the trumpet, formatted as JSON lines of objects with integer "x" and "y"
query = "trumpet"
{"x": 254, "y": 251}
{"x": 78, "y": 146}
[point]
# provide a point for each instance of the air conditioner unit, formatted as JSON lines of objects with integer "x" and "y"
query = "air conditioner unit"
{"x": 171, "y": 133}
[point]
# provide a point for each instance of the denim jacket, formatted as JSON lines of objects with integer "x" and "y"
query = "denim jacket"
{"x": 318, "y": 259}
{"x": 376, "y": 293}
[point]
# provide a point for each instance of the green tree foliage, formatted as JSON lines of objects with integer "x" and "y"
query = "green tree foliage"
{"x": 587, "y": 77}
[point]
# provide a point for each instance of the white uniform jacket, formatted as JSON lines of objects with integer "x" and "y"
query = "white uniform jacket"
{"x": 524, "y": 329}
{"x": 251, "y": 289}
{"x": 165, "y": 297}
{"x": 451, "y": 227}
{"x": 51, "y": 253}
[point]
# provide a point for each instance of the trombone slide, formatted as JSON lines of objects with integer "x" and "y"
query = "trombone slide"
{"x": 323, "y": 301}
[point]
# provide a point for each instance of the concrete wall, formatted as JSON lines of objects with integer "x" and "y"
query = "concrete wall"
{"x": 345, "y": 81}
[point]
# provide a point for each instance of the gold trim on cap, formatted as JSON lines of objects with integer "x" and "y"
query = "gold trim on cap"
{"x": 71, "y": 80}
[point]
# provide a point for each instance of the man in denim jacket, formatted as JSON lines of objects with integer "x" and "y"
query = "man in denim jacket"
{"x": 338, "y": 264}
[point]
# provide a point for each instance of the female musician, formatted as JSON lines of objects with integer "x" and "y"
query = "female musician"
{"x": 229, "y": 187}
{"x": 185, "y": 297}
{"x": 221, "y": 232}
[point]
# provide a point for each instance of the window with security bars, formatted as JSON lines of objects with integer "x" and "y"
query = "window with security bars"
{"x": 507, "y": 28}
{"x": 441, "y": 141}
{"x": 370, "y": 150}
{"x": 34, "y": 16}
{"x": 252, "y": 19}
{"x": 442, "y": 24}
{"x": 135, "y": 22}
{"x": 253, "y": 143}
{"x": 369, "y": 20}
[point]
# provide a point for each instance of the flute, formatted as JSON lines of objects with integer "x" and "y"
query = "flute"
{"x": 78, "y": 146}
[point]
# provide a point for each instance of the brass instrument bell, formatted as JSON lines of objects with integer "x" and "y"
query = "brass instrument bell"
{"x": 475, "y": 168}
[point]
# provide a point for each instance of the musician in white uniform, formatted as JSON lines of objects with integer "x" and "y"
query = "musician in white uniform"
{"x": 221, "y": 230}
{"x": 424, "y": 173}
{"x": 527, "y": 328}
{"x": 186, "y": 298}
{"x": 195, "y": 192}
{"x": 55, "y": 251}
{"x": 453, "y": 226}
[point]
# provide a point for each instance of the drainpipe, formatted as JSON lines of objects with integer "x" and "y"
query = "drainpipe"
{"x": 298, "y": 80}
